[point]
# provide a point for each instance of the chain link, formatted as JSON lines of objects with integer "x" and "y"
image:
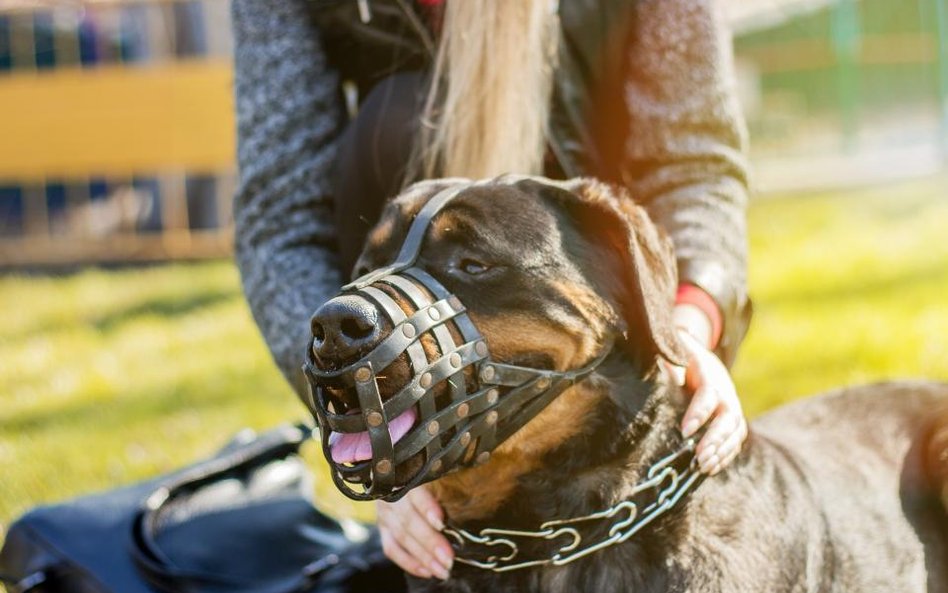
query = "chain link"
{"x": 670, "y": 484}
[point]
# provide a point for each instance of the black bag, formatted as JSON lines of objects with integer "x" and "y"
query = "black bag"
{"x": 240, "y": 522}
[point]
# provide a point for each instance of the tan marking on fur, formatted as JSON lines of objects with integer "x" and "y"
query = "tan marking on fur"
{"x": 380, "y": 233}
{"x": 511, "y": 334}
{"x": 598, "y": 316}
{"x": 446, "y": 223}
{"x": 478, "y": 491}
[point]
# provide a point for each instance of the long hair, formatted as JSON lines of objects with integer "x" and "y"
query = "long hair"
{"x": 488, "y": 103}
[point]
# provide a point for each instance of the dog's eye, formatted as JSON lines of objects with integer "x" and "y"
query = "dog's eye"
{"x": 473, "y": 267}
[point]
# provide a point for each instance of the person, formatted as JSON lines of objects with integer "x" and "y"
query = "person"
{"x": 341, "y": 103}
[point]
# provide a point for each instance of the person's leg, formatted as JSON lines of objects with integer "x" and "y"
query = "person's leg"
{"x": 373, "y": 157}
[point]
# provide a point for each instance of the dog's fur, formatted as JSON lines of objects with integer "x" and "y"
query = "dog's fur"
{"x": 836, "y": 493}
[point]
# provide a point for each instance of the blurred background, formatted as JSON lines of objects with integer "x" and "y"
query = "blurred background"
{"x": 126, "y": 348}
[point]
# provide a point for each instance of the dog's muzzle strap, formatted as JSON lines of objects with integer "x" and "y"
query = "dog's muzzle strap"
{"x": 479, "y": 404}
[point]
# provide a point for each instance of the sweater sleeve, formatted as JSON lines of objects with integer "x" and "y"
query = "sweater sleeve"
{"x": 685, "y": 154}
{"x": 288, "y": 121}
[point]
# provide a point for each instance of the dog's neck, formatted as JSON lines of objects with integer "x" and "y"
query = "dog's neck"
{"x": 616, "y": 427}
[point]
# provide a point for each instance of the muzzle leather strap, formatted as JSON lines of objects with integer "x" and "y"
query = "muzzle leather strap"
{"x": 466, "y": 404}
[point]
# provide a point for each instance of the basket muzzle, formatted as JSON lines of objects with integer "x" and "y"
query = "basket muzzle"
{"x": 456, "y": 404}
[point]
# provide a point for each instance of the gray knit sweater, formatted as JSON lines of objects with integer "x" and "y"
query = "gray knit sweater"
{"x": 685, "y": 159}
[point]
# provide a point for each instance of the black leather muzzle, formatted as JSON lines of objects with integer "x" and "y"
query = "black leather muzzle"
{"x": 464, "y": 403}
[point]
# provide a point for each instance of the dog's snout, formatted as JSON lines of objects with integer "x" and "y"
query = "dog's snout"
{"x": 344, "y": 327}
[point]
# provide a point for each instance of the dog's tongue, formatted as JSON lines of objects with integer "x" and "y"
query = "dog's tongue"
{"x": 351, "y": 447}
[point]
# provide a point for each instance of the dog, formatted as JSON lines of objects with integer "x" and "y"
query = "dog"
{"x": 595, "y": 492}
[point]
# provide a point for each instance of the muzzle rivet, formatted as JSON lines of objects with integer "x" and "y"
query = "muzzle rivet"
{"x": 384, "y": 466}
{"x": 462, "y": 411}
{"x": 455, "y": 360}
{"x": 455, "y": 303}
{"x": 543, "y": 383}
{"x": 374, "y": 419}
{"x": 363, "y": 374}
{"x": 425, "y": 380}
{"x": 487, "y": 373}
{"x": 491, "y": 418}
{"x": 434, "y": 313}
{"x": 408, "y": 330}
{"x": 481, "y": 348}
{"x": 433, "y": 427}
{"x": 492, "y": 396}
{"x": 483, "y": 458}
{"x": 436, "y": 465}
{"x": 465, "y": 439}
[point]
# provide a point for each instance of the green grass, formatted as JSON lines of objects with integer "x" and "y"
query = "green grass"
{"x": 847, "y": 288}
{"x": 110, "y": 377}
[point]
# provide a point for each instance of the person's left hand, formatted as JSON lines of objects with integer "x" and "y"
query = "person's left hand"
{"x": 713, "y": 395}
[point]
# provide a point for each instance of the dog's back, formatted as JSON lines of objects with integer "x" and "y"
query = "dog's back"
{"x": 875, "y": 461}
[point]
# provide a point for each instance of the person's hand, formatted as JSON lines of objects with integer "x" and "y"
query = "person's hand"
{"x": 713, "y": 396}
{"x": 411, "y": 534}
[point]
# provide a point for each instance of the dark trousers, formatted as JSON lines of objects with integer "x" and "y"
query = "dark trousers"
{"x": 374, "y": 152}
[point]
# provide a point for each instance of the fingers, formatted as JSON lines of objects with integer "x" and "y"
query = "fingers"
{"x": 411, "y": 536}
{"x": 426, "y": 506}
{"x": 397, "y": 554}
{"x": 699, "y": 411}
{"x": 715, "y": 400}
{"x": 711, "y": 450}
{"x": 728, "y": 450}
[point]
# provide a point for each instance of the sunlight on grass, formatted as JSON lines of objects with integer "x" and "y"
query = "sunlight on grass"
{"x": 107, "y": 377}
{"x": 110, "y": 377}
{"x": 847, "y": 289}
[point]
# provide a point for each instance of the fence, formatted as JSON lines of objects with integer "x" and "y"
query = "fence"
{"x": 848, "y": 75}
{"x": 117, "y": 135}
{"x": 117, "y": 139}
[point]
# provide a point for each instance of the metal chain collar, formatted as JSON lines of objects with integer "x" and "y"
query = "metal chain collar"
{"x": 624, "y": 520}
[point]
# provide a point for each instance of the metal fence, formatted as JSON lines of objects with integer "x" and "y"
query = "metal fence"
{"x": 117, "y": 139}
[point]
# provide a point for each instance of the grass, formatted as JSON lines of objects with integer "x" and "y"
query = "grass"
{"x": 111, "y": 377}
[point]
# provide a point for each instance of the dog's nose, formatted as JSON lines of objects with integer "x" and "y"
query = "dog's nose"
{"x": 344, "y": 327}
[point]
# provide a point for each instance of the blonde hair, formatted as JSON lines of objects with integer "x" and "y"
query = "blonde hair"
{"x": 487, "y": 107}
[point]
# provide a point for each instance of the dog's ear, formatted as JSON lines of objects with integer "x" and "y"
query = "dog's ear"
{"x": 645, "y": 273}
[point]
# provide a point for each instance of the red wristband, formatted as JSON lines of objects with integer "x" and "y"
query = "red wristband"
{"x": 689, "y": 294}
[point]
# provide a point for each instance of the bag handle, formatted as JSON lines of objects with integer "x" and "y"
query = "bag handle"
{"x": 161, "y": 572}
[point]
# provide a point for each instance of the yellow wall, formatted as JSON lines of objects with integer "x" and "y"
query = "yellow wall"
{"x": 116, "y": 120}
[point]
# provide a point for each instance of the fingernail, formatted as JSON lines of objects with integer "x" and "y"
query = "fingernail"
{"x": 708, "y": 467}
{"x": 441, "y": 572}
{"x": 706, "y": 454}
{"x": 690, "y": 428}
{"x": 444, "y": 557}
{"x": 435, "y": 521}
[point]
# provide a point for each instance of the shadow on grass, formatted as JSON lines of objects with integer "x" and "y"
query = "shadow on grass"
{"x": 148, "y": 405}
{"x": 169, "y": 307}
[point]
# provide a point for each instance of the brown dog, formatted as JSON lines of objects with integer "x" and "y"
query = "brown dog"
{"x": 594, "y": 492}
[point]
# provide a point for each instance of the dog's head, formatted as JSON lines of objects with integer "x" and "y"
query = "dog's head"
{"x": 527, "y": 279}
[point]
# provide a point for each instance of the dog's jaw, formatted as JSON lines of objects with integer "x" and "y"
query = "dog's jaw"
{"x": 590, "y": 447}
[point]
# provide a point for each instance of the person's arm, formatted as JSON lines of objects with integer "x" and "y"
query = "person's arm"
{"x": 685, "y": 157}
{"x": 288, "y": 120}
{"x": 685, "y": 160}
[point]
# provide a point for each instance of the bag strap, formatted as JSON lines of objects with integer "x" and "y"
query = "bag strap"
{"x": 161, "y": 572}
{"x": 28, "y": 583}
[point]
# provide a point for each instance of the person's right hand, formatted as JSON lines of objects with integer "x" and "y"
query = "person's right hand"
{"x": 411, "y": 534}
